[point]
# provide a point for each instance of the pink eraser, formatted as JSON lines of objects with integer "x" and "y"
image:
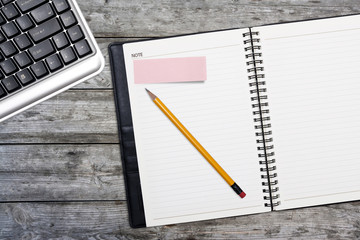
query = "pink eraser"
{"x": 166, "y": 70}
{"x": 242, "y": 194}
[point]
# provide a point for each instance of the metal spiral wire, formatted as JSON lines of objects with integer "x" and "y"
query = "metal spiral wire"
{"x": 262, "y": 118}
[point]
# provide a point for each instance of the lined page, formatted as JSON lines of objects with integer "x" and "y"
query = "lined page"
{"x": 312, "y": 74}
{"x": 178, "y": 184}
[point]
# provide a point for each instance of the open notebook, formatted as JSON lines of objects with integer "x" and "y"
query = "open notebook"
{"x": 278, "y": 111}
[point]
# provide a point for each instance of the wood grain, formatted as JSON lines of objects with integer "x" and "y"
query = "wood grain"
{"x": 75, "y": 116}
{"x": 108, "y": 220}
{"x": 61, "y": 173}
{"x": 168, "y": 17}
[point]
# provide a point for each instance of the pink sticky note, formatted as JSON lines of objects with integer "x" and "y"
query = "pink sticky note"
{"x": 164, "y": 70}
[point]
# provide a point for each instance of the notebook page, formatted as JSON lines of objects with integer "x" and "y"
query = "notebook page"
{"x": 178, "y": 184}
{"x": 312, "y": 72}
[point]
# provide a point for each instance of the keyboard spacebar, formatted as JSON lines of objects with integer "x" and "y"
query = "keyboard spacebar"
{"x": 26, "y": 5}
{"x": 45, "y": 30}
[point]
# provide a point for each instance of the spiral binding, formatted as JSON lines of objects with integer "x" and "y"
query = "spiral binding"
{"x": 262, "y": 118}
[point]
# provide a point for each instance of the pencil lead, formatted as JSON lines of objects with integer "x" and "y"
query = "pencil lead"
{"x": 152, "y": 96}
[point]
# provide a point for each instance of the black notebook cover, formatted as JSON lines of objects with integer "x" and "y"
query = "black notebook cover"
{"x": 126, "y": 135}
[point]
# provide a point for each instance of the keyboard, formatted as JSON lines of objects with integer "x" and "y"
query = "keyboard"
{"x": 46, "y": 47}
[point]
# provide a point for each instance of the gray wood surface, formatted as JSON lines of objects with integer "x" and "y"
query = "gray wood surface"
{"x": 108, "y": 220}
{"x": 75, "y": 172}
{"x": 60, "y": 170}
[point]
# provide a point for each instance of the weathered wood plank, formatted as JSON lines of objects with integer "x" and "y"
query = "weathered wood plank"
{"x": 75, "y": 116}
{"x": 168, "y": 17}
{"x": 109, "y": 220}
{"x": 61, "y": 173}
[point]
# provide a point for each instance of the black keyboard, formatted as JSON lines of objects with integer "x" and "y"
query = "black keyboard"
{"x": 38, "y": 38}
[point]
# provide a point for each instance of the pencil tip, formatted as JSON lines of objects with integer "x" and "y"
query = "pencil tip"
{"x": 152, "y": 96}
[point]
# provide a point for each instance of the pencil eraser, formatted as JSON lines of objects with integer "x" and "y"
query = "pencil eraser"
{"x": 169, "y": 70}
{"x": 242, "y": 194}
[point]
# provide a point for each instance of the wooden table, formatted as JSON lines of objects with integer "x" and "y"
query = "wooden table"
{"x": 60, "y": 168}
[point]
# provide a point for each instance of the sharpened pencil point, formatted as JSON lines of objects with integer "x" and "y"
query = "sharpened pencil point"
{"x": 152, "y": 96}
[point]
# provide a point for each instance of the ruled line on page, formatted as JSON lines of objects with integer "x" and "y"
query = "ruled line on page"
{"x": 313, "y": 34}
{"x": 199, "y": 213}
{"x": 192, "y": 51}
{"x": 317, "y": 196}
{"x": 312, "y": 83}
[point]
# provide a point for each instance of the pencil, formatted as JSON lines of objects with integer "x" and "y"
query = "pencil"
{"x": 196, "y": 144}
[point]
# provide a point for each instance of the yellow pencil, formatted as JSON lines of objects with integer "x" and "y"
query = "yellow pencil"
{"x": 196, "y": 144}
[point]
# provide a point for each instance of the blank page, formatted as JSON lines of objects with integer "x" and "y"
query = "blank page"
{"x": 178, "y": 184}
{"x": 312, "y": 72}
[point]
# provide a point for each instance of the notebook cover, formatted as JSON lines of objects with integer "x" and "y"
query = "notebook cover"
{"x": 126, "y": 133}
{"x": 125, "y": 126}
{"x": 126, "y": 137}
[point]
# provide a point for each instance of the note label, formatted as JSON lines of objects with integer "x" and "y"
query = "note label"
{"x": 137, "y": 55}
{"x": 166, "y": 70}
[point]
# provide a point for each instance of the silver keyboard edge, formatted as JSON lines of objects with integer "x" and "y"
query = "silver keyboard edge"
{"x": 54, "y": 85}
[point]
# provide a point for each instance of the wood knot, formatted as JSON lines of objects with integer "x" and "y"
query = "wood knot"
{"x": 19, "y": 215}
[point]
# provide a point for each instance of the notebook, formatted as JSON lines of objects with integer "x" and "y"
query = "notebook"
{"x": 278, "y": 111}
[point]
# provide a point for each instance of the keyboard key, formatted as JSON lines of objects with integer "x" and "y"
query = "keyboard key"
{"x": 54, "y": 63}
{"x": 10, "y": 30}
{"x": 39, "y": 70}
{"x": 26, "y": 5}
{"x": 61, "y": 41}
{"x": 25, "y": 77}
{"x": 82, "y": 48}
{"x": 8, "y": 48}
{"x": 42, "y": 13}
{"x": 68, "y": 19}
{"x": 75, "y": 33}
{"x": 6, "y": 1}
{"x": 25, "y": 22}
{"x": 2, "y": 37}
{"x": 41, "y": 50}
{"x": 11, "y": 84}
{"x": 8, "y": 66}
{"x": 2, "y": 92}
{"x": 2, "y": 19}
{"x": 45, "y": 30}
{"x": 10, "y": 11}
{"x": 1, "y": 58}
{"x": 68, "y": 55}
{"x": 22, "y": 42}
{"x": 2, "y": 75}
{"x": 61, "y": 5}
{"x": 23, "y": 60}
